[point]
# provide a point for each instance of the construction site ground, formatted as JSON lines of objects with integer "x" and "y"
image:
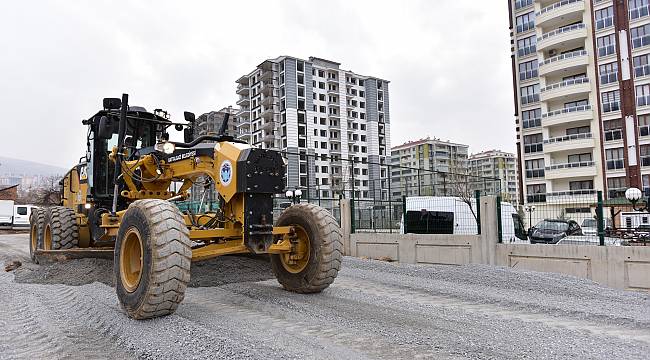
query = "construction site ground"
{"x": 234, "y": 308}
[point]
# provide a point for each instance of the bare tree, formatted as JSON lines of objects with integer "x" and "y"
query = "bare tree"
{"x": 466, "y": 195}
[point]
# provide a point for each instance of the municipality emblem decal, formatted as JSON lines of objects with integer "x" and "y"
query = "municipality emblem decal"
{"x": 226, "y": 172}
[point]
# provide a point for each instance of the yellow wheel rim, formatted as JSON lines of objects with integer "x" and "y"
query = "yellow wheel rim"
{"x": 296, "y": 261}
{"x": 47, "y": 238}
{"x": 131, "y": 260}
{"x": 34, "y": 237}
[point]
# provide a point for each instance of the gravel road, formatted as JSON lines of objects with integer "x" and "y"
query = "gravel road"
{"x": 373, "y": 310}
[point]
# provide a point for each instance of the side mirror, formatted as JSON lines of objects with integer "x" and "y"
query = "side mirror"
{"x": 105, "y": 128}
{"x": 112, "y": 103}
{"x": 189, "y": 116}
{"x": 188, "y": 135}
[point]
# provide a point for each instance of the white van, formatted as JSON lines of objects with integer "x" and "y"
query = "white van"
{"x": 6, "y": 213}
{"x": 21, "y": 216}
{"x": 451, "y": 215}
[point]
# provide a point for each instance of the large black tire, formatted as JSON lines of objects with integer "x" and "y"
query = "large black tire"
{"x": 63, "y": 227}
{"x": 36, "y": 225}
{"x": 325, "y": 248}
{"x": 152, "y": 232}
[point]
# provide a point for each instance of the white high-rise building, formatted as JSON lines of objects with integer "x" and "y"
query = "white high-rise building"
{"x": 314, "y": 107}
{"x": 581, "y": 77}
{"x": 496, "y": 164}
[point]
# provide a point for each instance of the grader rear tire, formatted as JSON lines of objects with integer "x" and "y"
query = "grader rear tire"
{"x": 318, "y": 260}
{"x": 37, "y": 224}
{"x": 152, "y": 259}
{"x": 64, "y": 230}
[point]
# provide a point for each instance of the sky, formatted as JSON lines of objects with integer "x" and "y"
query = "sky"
{"x": 448, "y": 63}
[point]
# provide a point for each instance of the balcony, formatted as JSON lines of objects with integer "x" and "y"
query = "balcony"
{"x": 560, "y": 12}
{"x": 568, "y": 63}
{"x": 243, "y": 90}
{"x": 586, "y": 196}
{"x": 569, "y": 37}
{"x": 243, "y": 80}
{"x": 269, "y": 100}
{"x": 332, "y": 80}
{"x": 569, "y": 142}
{"x": 269, "y": 125}
{"x": 244, "y": 136}
{"x": 267, "y": 113}
{"x": 570, "y": 170}
{"x": 244, "y": 112}
{"x": 568, "y": 115}
{"x": 566, "y": 89}
{"x": 244, "y": 101}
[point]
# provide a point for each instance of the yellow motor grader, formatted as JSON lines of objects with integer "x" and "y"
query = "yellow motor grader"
{"x": 120, "y": 197}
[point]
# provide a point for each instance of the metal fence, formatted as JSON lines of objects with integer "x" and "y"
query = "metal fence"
{"x": 378, "y": 193}
{"x": 580, "y": 217}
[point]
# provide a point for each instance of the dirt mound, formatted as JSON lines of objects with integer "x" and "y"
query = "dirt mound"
{"x": 214, "y": 272}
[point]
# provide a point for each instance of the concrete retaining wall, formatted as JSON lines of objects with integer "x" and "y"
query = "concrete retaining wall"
{"x": 418, "y": 249}
{"x": 624, "y": 267}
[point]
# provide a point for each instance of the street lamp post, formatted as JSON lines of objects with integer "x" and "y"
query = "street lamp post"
{"x": 633, "y": 195}
{"x": 294, "y": 195}
{"x": 529, "y": 210}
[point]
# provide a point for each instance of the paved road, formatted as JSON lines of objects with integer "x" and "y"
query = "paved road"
{"x": 373, "y": 310}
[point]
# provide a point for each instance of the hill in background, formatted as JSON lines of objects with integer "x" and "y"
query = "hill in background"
{"x": 11, "y": 166}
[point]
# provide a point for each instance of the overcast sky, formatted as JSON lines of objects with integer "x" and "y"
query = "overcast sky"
{"x": 448, "y": 62}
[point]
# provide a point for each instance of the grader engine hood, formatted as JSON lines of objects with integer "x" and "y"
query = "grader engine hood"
{"x": 256, "y": 174}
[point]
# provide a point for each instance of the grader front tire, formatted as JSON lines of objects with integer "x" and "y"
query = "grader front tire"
{"x": 318, "y": 259}
{"x": 152, "y": 259}
{"x": 37, "y": 224}
{"x": 63, "y": 228}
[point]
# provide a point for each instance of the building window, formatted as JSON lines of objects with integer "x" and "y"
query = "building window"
{"x": 611, "y": 101}
{"x": 638, "y": 8}
{"x": 579, "y": 158}
{"x": 645, "y": 179}
{"x": 578, "y": 130}
{"x": 519, "y": 4}
{"x": 608, "y": 73}
{"x": 527, "y": 46}
{"x": 533, "y": 143}
{"x": 642, "y": 95}
{"x": 616, "y": 187}
{"x": 529, "y": 94}
{"x": 604, "y": 17}
{"x": 525, "y": 22}
{"x": 644, "y": 125}
{"x": 536, "y": 193}
{"x": 613, "y": 129}
{"x": 534, "y": 168}
{"x": 640, "y": 36}
{"x": 644, "y": 153}
{"x": 581, "y": 185}
{"x": 531, "y": 118}
{"x": 528, "y": 70}
{"x": 614, "y": 158}
{"x": 606, "y": 45}
{"x": 641, "y": 65}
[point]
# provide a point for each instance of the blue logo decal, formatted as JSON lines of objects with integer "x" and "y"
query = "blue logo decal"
{"x": 225, "y": 173}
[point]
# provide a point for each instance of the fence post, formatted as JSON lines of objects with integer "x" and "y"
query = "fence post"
{"x": 390, "y": 203}
{"x": 419, "y": 184}
{"x": 600, "y": 219}
{"x": 499, "y": 225}
{"x": 404, "y": 214}
{"x": 477, "y": 196}
{"x": 353, "y": 226}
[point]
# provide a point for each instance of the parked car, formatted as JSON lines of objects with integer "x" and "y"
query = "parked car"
{"x": 550, "y": 231}
{"x": 6, "y": 213}
{"x": 590, "y": 226}
{"x": 21, "y": 216}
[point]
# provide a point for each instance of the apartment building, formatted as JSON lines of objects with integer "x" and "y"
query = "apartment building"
{"x": 581, "y": 78}
{"x": 427, "y": 167}
{"x": 496, "y": 164}
{"x": 210, "y": 122}
{"x": 323, "y": 117}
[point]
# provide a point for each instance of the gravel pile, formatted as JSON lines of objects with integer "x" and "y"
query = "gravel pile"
{"x": 236, "y": 309}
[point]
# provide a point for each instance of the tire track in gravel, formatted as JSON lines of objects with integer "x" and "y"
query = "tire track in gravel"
{"x": 423, "y": 298}
{"x": 334, "y": 340}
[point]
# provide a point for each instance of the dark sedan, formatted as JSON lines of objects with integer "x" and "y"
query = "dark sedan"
{"x": 551, "y": 231}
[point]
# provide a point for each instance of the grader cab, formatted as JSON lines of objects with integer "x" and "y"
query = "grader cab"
{"x": 119, "y": 197}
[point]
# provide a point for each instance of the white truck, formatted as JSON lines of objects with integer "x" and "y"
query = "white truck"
{"x": 21, "y": 216}
{"x": 6, "y": 214}
{"x": 451, "y": 215}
